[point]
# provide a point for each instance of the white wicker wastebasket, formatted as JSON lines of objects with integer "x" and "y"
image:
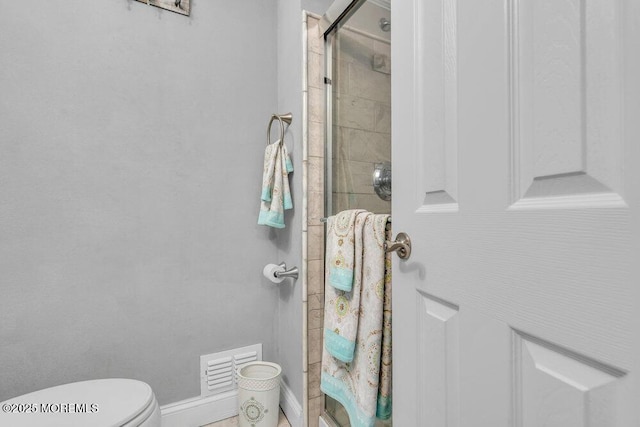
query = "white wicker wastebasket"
{"x": 259, "y": 394}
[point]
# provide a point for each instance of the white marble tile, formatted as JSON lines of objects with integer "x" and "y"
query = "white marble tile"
{"x": 371, "y": 202}
{"x": 341, "y": 201}
{"x": 314, "y": 380}
{"x": 315, "y": 70}
{"x": 354, "y": 177}
{"x": 315, "y": 174}
{"x": 316, "y": 104}
{"x": 339, "y": 145}
{"x": 315, "y": 345}
{"x": 314, "y": 36}
{"x": 382, "y": 48}
{"x": 382, "y": 118}
{"x": 355, "y": 112}
{"x": 316, "y": 301}
{"x": 353, "y": 47}
{"x": 367, "y": 146}
{"x": 315, "y": 409}
{"x": 340, "y": 78}
{"x": 315, "y": 318}
{"x": 364, "y": 82}
{"x": 315, "y": 242}
{"x": 316, "y": 139}
{"x": 315, "y": 277}
{"x": 315, "y": 207}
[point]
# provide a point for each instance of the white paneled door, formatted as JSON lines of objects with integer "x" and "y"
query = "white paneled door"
{"x": 516, "y": 159}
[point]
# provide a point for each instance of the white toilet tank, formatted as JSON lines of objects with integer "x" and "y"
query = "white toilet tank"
{"x": 113, "y": 402}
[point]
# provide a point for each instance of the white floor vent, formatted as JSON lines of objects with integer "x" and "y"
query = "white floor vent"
{"x": 217, "y": 370}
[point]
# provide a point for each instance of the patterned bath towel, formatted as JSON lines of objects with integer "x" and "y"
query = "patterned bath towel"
{"x": 383, "y": 410}
{"x": 276, "y": 194}
{"x": 343, "y": 274}
{"x": 341, "y": 247}
{"x": 363, "y": 386}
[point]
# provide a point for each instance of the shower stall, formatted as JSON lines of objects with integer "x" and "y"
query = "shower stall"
{"x": 358, "y": 101}
{"x": 357, "y": 82}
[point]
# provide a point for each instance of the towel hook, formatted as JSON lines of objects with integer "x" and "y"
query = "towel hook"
{"x": 282, "y": 118}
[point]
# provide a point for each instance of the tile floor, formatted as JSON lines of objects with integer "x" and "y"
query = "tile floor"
{"x": 233, "y": 422}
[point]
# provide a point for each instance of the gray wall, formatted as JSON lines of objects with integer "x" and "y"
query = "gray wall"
{"x": 131, "y": 145}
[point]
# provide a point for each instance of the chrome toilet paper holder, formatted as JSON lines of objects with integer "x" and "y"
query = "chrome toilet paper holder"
{"x": 286, "y": 273}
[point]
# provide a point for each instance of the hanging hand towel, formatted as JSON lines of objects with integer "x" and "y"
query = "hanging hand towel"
{"x": 357, "y": 385}
{"x": 342, "y": 298}
{"x": 276, "y": 195}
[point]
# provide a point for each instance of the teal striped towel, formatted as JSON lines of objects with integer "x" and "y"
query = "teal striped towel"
{"x": 275, "y": 197}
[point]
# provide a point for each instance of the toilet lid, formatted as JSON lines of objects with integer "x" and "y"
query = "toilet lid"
{"x": 109, "y": 402}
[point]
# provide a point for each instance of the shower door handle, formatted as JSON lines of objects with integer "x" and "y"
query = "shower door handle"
{"x": 402, "y": 246}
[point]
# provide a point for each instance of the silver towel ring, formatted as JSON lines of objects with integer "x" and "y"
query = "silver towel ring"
{"x": 282, "y": 119}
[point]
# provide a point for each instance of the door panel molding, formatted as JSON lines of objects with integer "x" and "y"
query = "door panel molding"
{"x": 438, "y": 355}
{"x": 435, "y": 109}
{"x": 565, "y": 103}
{"x": 554, "y": 386}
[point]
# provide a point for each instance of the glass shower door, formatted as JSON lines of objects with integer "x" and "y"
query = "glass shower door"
{"x": 359, "y": 109}
{"x": 358, "y": 122}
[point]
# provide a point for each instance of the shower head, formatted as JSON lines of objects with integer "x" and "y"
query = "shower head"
{"x": 385, "y": 24}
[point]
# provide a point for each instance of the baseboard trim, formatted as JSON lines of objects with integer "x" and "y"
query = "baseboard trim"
{"x": 290, "y": 405}
{"x": 199, "y": 411}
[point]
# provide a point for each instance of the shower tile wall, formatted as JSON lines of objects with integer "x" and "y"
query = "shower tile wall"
{"x": 361, "y": 118}
{"x": 315, "y": 211}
